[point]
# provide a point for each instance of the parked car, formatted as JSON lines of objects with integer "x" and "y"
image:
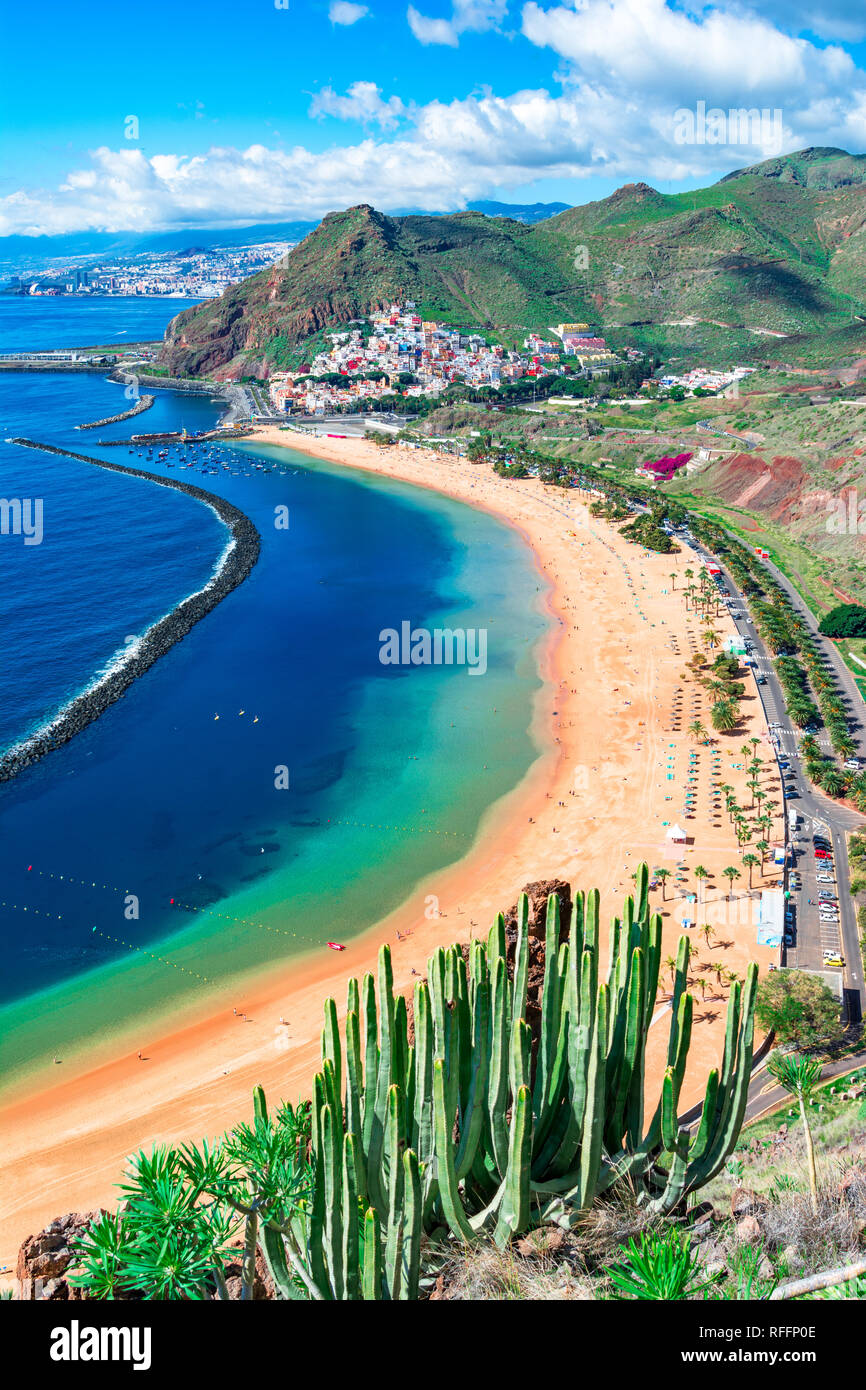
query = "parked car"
{"x": 824, "y": 878}
{"x": 853, "y": 764}
{"x": 833, "y": 958}
{"x": 823, "y": 854}
{"x": 789, "y": 938}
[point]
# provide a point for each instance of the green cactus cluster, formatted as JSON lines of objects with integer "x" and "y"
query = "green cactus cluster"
{"x": 472, "y": 1130}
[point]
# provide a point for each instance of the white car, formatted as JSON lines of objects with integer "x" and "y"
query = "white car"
{"x": 824, "y": 878}
{"x": 853, "y": 765}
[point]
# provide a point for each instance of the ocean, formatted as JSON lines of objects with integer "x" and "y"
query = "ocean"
{"x": 268, "y": 785}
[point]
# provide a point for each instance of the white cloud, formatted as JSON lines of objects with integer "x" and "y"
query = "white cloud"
{"x": 726, "y": 56}
{"x": 362, "y": 102}
{"x": 345, "y": 12}
{"x": 431, "y": 30}
{"x": 475, "y": 15}
{"x": 628, "y": 67}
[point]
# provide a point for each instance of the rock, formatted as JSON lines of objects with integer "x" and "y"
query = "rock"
{"x": 745, "y": 1202}
{"x": 748, "y": 1230}
{"x": 263, "y": 1284}
{"x": 715, "y": 1268}
{"x": 44, "y": 1259}
{"x": 792, "y": 1257}
{"x": 538, "y": 894}
{"x": 765, "y": 1269}
{"x": 852, "y": 1188}
{"x": 547, "y": 1240}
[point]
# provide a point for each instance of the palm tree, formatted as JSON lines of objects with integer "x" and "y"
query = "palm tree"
{"x": 724, "y": 716}
{"x": 700, "y": 874}
{"x": 673, "y": 579}
{"x": 707, "y": 932}
{"x": 750, "y": 860}
{"x": 709, "y": 639}
{"x": 763, "y": 846}
{"x": 834, "y": 781}
{"x": 662, "y": 875}
{"x": 731, "y": 874}
{"x": 670, "y": 964}
{"x": 696, "y": 729}
{"x": 798, "y": 1075}
{"x": 745, "y": 749}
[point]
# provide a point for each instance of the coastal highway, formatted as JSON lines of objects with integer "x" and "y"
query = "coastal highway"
{"x": 821, "y": 815}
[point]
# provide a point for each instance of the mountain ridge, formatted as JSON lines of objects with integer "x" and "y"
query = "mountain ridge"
{"x": 753, "y": 256}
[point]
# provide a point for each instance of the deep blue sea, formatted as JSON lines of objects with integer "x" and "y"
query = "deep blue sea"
{"x": 389, "y": 769}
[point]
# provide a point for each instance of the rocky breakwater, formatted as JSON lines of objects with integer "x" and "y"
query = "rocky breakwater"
{"x": 144, "y": 404}
{"x": 237, "y": 561}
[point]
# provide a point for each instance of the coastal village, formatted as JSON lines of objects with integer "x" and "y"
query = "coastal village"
{"x": 398, "y": 352}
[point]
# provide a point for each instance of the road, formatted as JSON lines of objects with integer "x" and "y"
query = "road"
{"x": 765, "y": 1095}
{"x": 821, "y": 815}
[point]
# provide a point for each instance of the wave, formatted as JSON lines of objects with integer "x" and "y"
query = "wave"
{"x": 238, "y": 558}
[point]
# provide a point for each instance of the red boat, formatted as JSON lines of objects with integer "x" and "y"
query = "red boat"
{"x": 335, "y": 946}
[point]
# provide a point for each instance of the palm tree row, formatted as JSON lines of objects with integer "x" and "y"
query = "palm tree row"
{"x": 801, "y": 666}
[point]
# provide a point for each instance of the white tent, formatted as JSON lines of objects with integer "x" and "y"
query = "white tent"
{"x": 677, "y": 834}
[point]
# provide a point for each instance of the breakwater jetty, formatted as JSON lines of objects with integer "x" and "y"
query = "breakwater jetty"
{"x": 144, "y": 404}
{"x": 238, "y": 559}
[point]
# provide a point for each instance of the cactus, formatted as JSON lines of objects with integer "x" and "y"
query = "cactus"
{"x": 465, "y": 1130}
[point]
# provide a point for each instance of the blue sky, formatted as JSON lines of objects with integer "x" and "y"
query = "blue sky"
{"x": 257, "y": 112}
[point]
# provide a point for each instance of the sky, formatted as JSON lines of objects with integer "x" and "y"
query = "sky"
{"x": 193, "y": 114}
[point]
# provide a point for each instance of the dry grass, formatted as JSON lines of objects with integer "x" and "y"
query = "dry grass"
{"x": 488, "y": 1274}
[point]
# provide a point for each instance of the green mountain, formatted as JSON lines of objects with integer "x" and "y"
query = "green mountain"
{"x": 773, "y": 252}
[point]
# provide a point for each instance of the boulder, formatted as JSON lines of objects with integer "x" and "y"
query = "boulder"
{"x": 263, "y": 1284}
{"x": 538, "y": 894}
{"x": 745, "y": 1202}
{"x": 44, "y": 1259}
{"x": 852, "y": 1188}
{"x": 748, "y": 1230}
{"x": 543, "y": 1240}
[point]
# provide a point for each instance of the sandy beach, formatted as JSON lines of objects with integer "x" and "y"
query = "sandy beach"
{"x": 613, "y": 722}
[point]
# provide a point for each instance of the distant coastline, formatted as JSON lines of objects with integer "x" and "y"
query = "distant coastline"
{"x": 236, "y": 562}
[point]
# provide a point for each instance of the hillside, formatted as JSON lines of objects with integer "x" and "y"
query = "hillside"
{"x": 770, "y": 253}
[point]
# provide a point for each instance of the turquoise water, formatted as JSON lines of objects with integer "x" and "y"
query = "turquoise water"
{"x": 390, "y": 769}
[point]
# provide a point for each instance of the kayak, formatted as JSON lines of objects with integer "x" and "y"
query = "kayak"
{"x": 335, "y": 946}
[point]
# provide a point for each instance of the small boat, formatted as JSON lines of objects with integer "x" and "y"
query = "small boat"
{"x": 335, "y": 946}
